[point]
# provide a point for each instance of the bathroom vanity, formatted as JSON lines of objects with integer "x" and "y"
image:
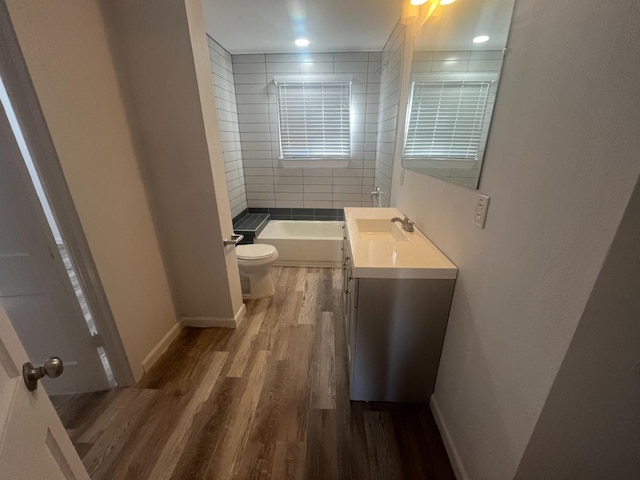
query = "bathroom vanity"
{"x": 397, "y": 294}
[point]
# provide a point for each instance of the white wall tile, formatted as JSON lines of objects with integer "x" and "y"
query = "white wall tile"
{"x": 350, "y": 67}
{"x": 485, "y": 65}
{"x": 352, "y": 57}
{"x": 224, "y": 90}
{"x": 318, "y": 188}
{"x": 316, "y": 67}
{"x": 450, "y": 66}
{"x": 241, "y": 78}
{"x": 283, "y": 57}
{"x": 248, "y": 58}
{"x": 290, "y": 67}
{"x": 249, "y": 68}
{"x": 245, "y": 98}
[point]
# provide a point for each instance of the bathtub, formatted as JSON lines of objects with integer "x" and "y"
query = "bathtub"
{"x": 304, "y": 243}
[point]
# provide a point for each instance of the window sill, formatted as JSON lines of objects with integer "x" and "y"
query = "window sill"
{"x": 314, "y": 163}
{"x": 425, "y": 162}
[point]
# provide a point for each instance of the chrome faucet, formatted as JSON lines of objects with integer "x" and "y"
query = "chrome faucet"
{"x": 407, "y": 224}
{"x": 375, "y": 197}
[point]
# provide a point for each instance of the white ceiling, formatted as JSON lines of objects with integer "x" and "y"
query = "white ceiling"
{"x": 271, "y": 26}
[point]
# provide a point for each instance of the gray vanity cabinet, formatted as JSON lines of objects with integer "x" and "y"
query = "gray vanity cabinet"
{"x": 395, "y": 330}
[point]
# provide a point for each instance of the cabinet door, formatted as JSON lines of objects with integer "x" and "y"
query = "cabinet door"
{"x": 397, "y": 339}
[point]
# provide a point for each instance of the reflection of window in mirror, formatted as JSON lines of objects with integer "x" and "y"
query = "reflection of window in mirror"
{"x": 448, "y": 122}
{"x": 452, "y": 87}
{"x": 452, "y": 94}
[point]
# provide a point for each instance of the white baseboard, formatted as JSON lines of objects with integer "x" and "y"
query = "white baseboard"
{"x": 452, "y": 451}
{"x": 161, "y": 347}
{"x": 209, "y": 322}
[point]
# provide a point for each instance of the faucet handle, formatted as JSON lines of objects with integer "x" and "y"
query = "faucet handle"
{"x": 408, "y": 224}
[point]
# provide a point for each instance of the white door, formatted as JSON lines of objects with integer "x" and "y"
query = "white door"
{"x": 33, "y": 442}
{"x": 35, "y": 289}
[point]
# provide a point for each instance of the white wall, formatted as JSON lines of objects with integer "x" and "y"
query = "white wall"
{"x": 65, "y": 48}
{"x": 161, "y": 50}
{"x": 227, "y": 110}
{"x": 268, "y": 183}
{"x": 560, "y": 167}
{"x": 392, "y": 56}
{"x": 588, "y": 428}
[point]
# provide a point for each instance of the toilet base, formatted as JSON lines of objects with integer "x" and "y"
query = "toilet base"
{"x": 256, "y": 286}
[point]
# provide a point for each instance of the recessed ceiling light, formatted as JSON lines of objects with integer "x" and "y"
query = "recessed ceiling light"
{"x": 302, "y": 42}
{"x": 418, "y": 2}
{"x": 481, "y": 39}
{"x": 446, "y": 2}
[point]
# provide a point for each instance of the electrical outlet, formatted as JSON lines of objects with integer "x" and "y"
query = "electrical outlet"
{"x": 482, "y": 206}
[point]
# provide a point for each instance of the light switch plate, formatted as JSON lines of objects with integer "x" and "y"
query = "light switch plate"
{"x": 482, "y": 206}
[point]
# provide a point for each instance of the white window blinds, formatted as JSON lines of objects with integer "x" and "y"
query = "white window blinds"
{"x": 448, "y": 119}
{"x": 314, "y": 119}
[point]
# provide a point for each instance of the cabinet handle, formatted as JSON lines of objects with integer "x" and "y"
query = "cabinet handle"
{"x": 347, "y": 292}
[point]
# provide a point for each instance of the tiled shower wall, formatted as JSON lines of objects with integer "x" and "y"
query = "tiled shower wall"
{"x": 388, "y": 110}
{"x": 224, "y": 89}
{"x": 268, "y": 183}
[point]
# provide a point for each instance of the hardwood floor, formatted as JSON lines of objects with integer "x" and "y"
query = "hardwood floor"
{"x": 267, "y": 400}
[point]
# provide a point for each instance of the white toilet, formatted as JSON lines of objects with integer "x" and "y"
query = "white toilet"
{"x": 254, "y": 262}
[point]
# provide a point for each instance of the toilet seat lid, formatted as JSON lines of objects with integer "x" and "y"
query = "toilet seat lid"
{"x": 255, "y": 251}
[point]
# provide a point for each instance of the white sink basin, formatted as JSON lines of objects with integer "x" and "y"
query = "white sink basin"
{"x": 381, "y": 249}
{"x": 380, "y": 230}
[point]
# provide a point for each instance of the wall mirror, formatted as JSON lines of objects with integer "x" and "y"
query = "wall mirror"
{"x": 456, "y": 63}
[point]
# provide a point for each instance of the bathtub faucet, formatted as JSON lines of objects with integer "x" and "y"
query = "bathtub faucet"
{"x": 375, "y": 197}
{"x": 406, "y": 223}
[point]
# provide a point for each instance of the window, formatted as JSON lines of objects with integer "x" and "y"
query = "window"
{"x": 449, "y": 117}
{"x": 314, "y": 119}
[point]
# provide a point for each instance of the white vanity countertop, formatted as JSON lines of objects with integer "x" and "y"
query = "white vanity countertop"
{"x": 415, "y": 258}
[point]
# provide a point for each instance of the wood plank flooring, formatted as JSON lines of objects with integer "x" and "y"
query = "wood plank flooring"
{"x": 268, "y": 400}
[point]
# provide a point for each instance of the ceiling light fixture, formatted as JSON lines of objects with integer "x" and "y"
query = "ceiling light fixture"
{"x": 446, "y": 2}
{"x": 301, "y": 42}
{"x": 481, "y": 39}
{"x": 418, "y": 2}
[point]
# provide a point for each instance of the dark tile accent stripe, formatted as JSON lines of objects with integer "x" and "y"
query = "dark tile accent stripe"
{"x": 252, "y": 221}
{"x": 301, "y": 213}
{"x": 250, "y": 225}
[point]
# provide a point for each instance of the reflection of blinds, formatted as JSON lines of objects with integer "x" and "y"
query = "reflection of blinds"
{"x": 314, "y": 119}
{"x": 446, "y": 119}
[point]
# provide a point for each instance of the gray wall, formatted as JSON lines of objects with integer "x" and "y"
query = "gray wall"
{"x": 179, "y": 147}
{"x": 590, "y": 426}
{"x": 560, "y": 166}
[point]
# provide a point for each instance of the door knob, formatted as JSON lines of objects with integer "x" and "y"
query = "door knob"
{"x": 52, "y": 368}
{"x": 235, "y": 240}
